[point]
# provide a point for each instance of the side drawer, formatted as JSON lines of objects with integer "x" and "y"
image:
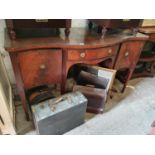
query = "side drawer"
{"x": 91, "y": 54}
{"x": 40, "y": 67}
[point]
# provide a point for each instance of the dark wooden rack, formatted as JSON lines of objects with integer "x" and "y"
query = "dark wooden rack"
{"x": 147, "y": 57}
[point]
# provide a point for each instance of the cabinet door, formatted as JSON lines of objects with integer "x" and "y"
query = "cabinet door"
{"x": 129, "y": 54}
{"x": 39, "y": 67}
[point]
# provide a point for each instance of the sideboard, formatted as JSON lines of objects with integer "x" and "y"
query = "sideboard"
{"x": 38, "y": 61}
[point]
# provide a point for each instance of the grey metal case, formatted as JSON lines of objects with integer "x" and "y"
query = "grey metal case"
{"x": 59, "y": 115}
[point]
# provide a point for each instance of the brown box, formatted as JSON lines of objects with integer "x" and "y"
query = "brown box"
{"x": 96, "y": 98}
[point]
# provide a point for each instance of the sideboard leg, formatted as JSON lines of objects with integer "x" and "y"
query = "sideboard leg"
{"x": 126, "y": 81}
{"x": 12, "y": 34}
{"x": 10, "y": 26}
{"x": 152, "y": 67}
{"x": 20, "y": 85}
{"x": 124, "y": 86}
{"x": 64, "y": 79}
{"x": 90, "y": 25}
{"x": 66, "y": 68}
{"x": 67, "y": 31}
{"x": 63, "y": 84}
{"x": 104, "y": 30}
{"x": 134, "y": 31}
{"x": 63, "y": 87}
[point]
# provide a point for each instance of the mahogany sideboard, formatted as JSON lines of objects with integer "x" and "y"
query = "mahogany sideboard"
{"x": 38, "y": 61}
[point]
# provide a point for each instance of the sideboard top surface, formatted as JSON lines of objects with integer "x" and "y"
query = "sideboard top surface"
{"x": 79, "y": 38}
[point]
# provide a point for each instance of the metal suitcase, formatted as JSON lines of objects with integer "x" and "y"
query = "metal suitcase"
{"x": 96, "y": 98}
{"x": 59, "y": 115}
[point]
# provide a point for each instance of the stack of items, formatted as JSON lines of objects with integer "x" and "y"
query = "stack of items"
{"x": 95, "y": 82}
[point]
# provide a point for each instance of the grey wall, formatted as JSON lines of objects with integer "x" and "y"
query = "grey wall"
{"x": 79, "y": 22}
{"x": 75, "y": 23}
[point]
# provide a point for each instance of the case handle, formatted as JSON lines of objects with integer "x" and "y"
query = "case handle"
{"x": 52, "y": 104}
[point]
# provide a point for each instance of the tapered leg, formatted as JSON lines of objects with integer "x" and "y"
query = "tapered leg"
{"x": 12, "y": 34}
{"x": 63, "y": 85}
{"x": 104, "y": 30}
{"x": 126, "y": 80}
{"x": 90, "y": 25}
{"x": 20, "y": 85}
{"x": 67, "y": 31}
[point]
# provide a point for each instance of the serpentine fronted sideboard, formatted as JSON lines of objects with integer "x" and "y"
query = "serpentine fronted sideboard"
{"x": 38, "y": 61}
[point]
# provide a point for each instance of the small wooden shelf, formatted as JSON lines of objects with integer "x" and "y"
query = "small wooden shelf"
{"x": 147, "y": 56}
{"x": 147, "y": 59}
{"x": 148, "y": 68}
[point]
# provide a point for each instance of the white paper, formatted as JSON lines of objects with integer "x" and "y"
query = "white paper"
{"x": 106, "y": 75}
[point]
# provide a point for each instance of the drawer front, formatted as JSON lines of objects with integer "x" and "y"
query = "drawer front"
{"x": 40, "y": 67}
{"x": 129, "y": 54}
{"x": 91, "y": 54}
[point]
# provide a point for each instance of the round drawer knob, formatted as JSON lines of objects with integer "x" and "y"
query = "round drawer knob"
{"x": 126, "y": 54}
{"x": 82, "y": 55}
{"x": 110, "y": 51}
{"x": 42, "y": 66}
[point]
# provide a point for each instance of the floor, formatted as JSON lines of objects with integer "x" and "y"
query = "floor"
{"x": 129, "y": 113}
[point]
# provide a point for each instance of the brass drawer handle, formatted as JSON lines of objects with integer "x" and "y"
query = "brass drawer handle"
{"x": 42, "y": 66}
{"x": 82, "y": 55}
{"x": 126, "y": 54}
{"x": 110, "y": 51}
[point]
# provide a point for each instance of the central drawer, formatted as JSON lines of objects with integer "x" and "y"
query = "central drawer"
{"x": 91, "y": 54}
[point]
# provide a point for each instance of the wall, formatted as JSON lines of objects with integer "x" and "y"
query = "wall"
{"x": 79, "y": 22}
